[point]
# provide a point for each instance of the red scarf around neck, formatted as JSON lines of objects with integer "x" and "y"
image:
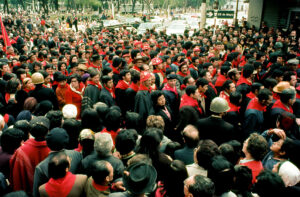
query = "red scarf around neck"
{"x": 254, "y": 104}
{"x": 159, "y": 71}
{"x": 182, "y": 74}
{"x": 168, "y": 88}
{"x": 142, "y": 87}
{"x": 98, "y": 85}
{"x": 115, "y": 71}
{"x": 60, "y": 187}
{"x": 243, "y": 80}
{"x": 122, "y": 85}
{"x": 279, "y": 104}
{"x": 136, "y": 68}
{"x": 111, "y": 91}
{"x": 100, "y": 187}
{"x": 134, "y": 86}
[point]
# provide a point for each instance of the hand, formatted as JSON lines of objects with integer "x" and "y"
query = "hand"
{"x": 279, "y": 132}
{"x": 119, "y": 186}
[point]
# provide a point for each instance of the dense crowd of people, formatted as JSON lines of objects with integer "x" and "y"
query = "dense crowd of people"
{"x": 113, "y": 113}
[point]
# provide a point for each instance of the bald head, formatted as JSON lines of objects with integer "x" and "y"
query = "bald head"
{"x": 191, "y": 136}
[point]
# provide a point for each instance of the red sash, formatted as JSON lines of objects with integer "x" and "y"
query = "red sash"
{"x": 122, "y": 85}
{"x": 279, "y": 104}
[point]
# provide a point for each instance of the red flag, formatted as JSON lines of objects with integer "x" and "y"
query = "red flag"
{"x": 4, "y": 34}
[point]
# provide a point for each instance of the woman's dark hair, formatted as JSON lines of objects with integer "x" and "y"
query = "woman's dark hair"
{"x": 60, "y": 64}
{"x": 126, "y": 141}
{"x": 206, "y": 150}
{"x": 177, "y": 173}
{"x": 155, "y": 95}
{"x": 100, "y": 171}
{"x": 12, "y": 85}
{"x": 269, "y": 184}
{"x": 237, "y": 146}
{"x": 73, "y": 128}
{"x": 242, "y": 180}
{"x": 24, "y": 126}
{"x": 190, "y": 90}
{"x": 113, "y": 120}
{"x": 221, "y": 173}
{"x": 149, "y": 143}
{"x": 91, "y": 120}
{"x": 19, "y": 72}
{"x": 11, "y": 140}
{"x": 257, "y": 146}
{"x": 58, "y": 164}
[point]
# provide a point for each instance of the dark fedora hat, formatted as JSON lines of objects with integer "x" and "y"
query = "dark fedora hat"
{"x": 140, "y": 179}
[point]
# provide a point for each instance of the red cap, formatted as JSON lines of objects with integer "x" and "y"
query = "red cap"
{"x": 146, "y": 47}
{"x": 145, "y": 76}
{"x": 156, "y": 61}
{"x": 197, "y": 49}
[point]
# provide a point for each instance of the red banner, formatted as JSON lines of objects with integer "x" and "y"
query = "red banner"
{"x": 4, "y": 34}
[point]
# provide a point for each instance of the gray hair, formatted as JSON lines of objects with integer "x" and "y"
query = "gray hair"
{"x": 103, "y": 144}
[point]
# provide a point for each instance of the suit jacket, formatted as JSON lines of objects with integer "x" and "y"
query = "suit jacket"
{"x": 216, "y": 129}
{"x": 185, "y": 154}
{"x": 107, "y": 98}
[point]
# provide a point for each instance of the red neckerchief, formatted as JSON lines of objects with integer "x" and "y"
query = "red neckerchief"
{"x": 159, "y": 71}
{"x": 111, "y": 91}
{"x": 182, "y": 74}
{"x": 225, "y": 96}
{"x": 122, "y": 85}
{"x": 134, "y": 86}
{"x": 220, "y": 80}
{"x": 115, "y": 71}
{"x": 184, "y": 51}
{"x": 193, "y": 67}
{"x": 203, "y": 95}
{"x": 254, "y": 104}
{"x": 176, "y": 63}
{"x": 189, "y": 101}
{"x": 112, "y": 133}
{"x": 243, "y": 80}
{"x": 142, "y": 87}
{"x": 233, "y": 108}
{"x": 94, "y": 84}
{"x": 168, "y": 88}
{"x": 65, "y": 72}
{"x": 213, "y": 87}
{"x": 28, "y": 90}
{"x": 7, "y": 97}
{"x": 183, "y": 87}
{"x": 60, "y": 187}
{"x": 279, "y": 104}
{"x": 100, "y": 187}
{"x": 297, "y": 96}
{"x": 136, "y": 68}
{"x": 251, "y": 95}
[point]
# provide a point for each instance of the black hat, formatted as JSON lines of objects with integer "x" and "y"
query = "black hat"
{"x": 172, "y": 76}
{"x": 40, "y": 120}
{"x": 57, "y": 139}
{"x": 141, "y": 178}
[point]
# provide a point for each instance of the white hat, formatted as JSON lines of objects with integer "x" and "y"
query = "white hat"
{"x": 289, "y": 173}
{"x": 69, "y": 111}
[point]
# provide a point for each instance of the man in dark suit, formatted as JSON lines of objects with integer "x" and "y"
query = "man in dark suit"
{"x": 191, "y": 139}
{"x": 214, "y": 127}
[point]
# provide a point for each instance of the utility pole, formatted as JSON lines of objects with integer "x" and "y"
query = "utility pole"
{"x": 236, "y": 13}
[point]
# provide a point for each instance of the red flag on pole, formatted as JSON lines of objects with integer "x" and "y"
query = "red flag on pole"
{"x": 4, "y": 35}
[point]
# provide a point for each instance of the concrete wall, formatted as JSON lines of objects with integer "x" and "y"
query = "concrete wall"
{"x": 255, "y": 12}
